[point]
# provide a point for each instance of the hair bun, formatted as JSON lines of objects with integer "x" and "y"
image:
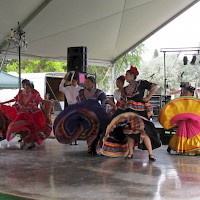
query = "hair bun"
{"x": 121, "y": 78}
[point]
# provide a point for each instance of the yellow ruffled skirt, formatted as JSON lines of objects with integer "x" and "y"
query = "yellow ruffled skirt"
{"x": 183, "y": 113}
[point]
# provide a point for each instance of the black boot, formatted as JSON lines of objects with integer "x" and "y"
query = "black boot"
{"x": 168, "y": 149}
{"x": 93, "y": 147}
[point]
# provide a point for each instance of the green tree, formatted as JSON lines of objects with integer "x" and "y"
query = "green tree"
{"x": 35, "y": 66}
{"x": 103, "y": 74}
{"x": 174, "y": 69}
{"x": 134, "y": 57}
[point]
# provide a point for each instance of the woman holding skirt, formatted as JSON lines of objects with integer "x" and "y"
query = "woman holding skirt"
{"x": 183, "y": 114}
{"x": 130, "y": 122}
{"x": 26, "y": 119}
{"x": 88, "y": 117}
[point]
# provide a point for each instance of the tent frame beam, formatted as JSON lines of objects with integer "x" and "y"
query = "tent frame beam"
{"x": 27, "y": 20}
{"x": 156, "y": 30}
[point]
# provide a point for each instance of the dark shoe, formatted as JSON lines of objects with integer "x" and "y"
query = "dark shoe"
{"x": 74, "y": 143}
{"x": 31, "y": 147}
{"x": 92, "y": 152}
{"x": 129, "y": 156}
{"x": 168, "y": 149}
{"x": 151, "y": 158}
{"x": 22, "y": 145}
{"x": 20, "y": 140}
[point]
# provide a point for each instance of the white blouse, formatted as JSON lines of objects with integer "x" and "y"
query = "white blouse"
{"x": 117, "y": 94}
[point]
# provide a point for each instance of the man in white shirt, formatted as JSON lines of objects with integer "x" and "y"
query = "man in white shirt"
{"x": 71, "y": 91}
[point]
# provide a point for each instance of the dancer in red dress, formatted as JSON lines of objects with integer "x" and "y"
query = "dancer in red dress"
{"x": 26, "y": 118}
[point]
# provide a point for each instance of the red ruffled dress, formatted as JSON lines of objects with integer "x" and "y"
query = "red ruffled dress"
{"x": 26, "y": 118}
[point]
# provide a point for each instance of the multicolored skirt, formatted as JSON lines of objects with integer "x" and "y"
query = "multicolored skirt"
{"x": 138, "y": 107}
{"x": 183, "y": 113}
{"x": 115, "y": 141}
{"x": 88, "y": 119}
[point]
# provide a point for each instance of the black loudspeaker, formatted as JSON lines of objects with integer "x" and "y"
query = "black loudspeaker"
{"x": 77, "y": 59}
{"x": 185, "y": 60}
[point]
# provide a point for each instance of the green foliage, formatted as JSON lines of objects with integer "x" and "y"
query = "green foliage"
{"x": 134, "y": 57}
{"x": 35, "y": 66}
{"x": 12, "y": 66}
{"x": 174, "y": 68}
{"x": 103, "y": 74}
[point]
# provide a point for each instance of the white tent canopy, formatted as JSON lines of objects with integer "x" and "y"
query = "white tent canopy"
{"x": 108, "y": 28}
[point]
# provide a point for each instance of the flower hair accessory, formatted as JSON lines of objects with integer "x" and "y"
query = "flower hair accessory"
{"x": 134, "y": 70}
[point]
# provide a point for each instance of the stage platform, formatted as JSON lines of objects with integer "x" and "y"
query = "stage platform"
{"x": 54, "y": 171}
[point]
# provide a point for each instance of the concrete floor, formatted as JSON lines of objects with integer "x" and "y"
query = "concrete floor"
{"x": 56, "y": 172}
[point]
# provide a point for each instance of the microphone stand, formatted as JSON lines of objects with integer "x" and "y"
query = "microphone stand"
{"x": 19, "y": 66}
{"x": 151, "y": 77}
{"x": 181, "y": 83}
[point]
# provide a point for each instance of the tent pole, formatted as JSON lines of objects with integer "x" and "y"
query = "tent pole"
{"x": 113, "y": 79}
{"x": 20, "y": 36}
{"x": 19, "y": 53}
{"x": 165, "y": 79}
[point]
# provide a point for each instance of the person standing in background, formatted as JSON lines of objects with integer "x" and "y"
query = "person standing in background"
{"x": 70, "y": 91}
{"x": 120, "y": 86}
{"x": 188, "y": 91}
{"x": 117, "y": 93}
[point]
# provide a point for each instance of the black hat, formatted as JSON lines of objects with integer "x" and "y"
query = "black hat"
{"x": 190, "y": 89}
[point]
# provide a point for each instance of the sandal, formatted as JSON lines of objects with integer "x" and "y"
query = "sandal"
{"x": 129, "y": 156}
{"x": 151, "y": 158}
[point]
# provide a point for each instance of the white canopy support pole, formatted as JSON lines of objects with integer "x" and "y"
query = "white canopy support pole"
{"x": 113, "y": 79}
